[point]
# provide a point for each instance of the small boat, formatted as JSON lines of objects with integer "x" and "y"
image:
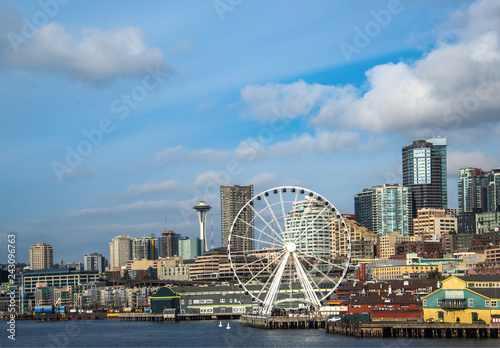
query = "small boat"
{"x": 228, "y": 327}
{"x": 220, "y": 324}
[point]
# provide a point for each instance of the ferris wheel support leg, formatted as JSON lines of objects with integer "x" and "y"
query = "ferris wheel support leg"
{"x": 306, "y": 285}
{"x": 274, "y": 288}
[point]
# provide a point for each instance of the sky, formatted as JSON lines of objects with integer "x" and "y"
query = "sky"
{"x": 117, "y": 117}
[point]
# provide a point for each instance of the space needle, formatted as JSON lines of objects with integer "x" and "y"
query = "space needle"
{"x": 202, "y": 208}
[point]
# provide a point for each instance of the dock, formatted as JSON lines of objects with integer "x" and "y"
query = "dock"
{"x": 283, "y": 322}
{"x": 175, "y": 317}
{"x": 414, "y": 330}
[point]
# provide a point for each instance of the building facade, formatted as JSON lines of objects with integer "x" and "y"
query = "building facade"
{"x": 41, "y": 256}
{"x": 94, "y": 262}
{"x": 120, "y": 251}
{"x": 362, "y": 239}
{"x": 494, "y": 191}
{"x": 391, "y": 210}
{"x": 363, "y": 208}
{"x": 425, "y": 173}
{"x": 168, "y": 244}
{"x": 232, "y": 199}
{"x": 189, "y": 249}
{"x": 473, "y": 190}
{"x": 431, "y": 223}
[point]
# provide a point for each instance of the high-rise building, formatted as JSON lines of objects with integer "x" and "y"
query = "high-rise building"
{"x": 362, "y": 239}
{"x": 168, "y": 244}
{"x": 391, "y": 209}
{"x": 363, "y": 208}
{"x": 425, "y": 173}
{"x": 189, "y": 249}
{"x": 232, "y": 199}
{"x": 473, "y": 190}
{"x": 94, "y": 262}
{"x": 41, "y": 256}
{"x": 494, "y": 191}
{"x": 142, "y": 248}
{"x": 120, "y": 251}
{"x": 310, "y": 219}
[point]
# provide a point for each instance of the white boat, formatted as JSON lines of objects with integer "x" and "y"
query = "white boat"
{"x": 228, "y": 327}
{"x": 220, "y": 324}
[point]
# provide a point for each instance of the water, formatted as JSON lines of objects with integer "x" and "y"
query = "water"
{"x": 114, "y": 333}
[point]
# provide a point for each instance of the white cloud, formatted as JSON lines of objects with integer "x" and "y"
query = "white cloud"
{"x": 153, "y": 187}
{"x": 456, "y": 85}
{"x": 476, "y": 159}
{"x": 96, "y": 55}
{"x": 131, "y": 208}
{"x": 263, "y": 181}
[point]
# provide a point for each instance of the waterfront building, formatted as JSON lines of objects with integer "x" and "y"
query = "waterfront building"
{"x": 94, "y": 262}
{"x": 363, "y": 208}
{"x": 425, "y": 173}
{"x": 431, "y": 223}
{"x": 309, "y": 217}
{"x": 473, "y": 190}
{"x": 168, "y": 244}
{"x": 232, "y": 199}
{"x": 189, "y": 249}
{"x": 120, "y": 251}
{"x": 465, "y": 300}
{"x": 41, "y": 256}
{"x": 362, "y": 239}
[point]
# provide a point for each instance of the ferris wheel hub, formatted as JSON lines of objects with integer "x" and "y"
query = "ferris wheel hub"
{"x": 291, "y": 247}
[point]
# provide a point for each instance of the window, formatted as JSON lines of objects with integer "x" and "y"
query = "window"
{"x": 471, "y": 302}
{"x": 486, "y": 303}
{"x": 494, "y": 303}
{"x": 424, "y": 303}
{"x": 222, "y": 300}
{"x": 438, "y": 302}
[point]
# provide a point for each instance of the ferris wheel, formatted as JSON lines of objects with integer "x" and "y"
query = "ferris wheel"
{"x": 284, "y": 249}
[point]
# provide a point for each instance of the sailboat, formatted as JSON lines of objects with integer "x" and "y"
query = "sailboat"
{"x": 220, "y": 323}
{"x": 228, "y": 327}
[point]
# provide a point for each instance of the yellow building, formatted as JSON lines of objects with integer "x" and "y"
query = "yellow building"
{"x": 388, "y": 242}
{"x": 404, "y": 271}
{"x": 357, "y": 233}
{"x": 467, "y": 299}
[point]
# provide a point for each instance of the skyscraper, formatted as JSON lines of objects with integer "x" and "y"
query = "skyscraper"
{"x": 473, "y": 190}
{"x": 168, "y": 244}
{"x": 391, "y": 210}
{"x": 41, "y": 256}
{"x": 363, "y": 208}
{"x": 232, "y": 199}
{"x": 494, "y": 191}
{"x": 425, "y": 173}
{"x": 141, "y": 249}
{"x": 120, "y": 251}
{"x": 189, "y": 248}
{"x": 94, "y": 262}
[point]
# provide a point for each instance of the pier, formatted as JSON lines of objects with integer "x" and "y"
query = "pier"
{"x": 414, "y": 330}
{"x": 293, "y": 322}
{"x": 175, "y": 317}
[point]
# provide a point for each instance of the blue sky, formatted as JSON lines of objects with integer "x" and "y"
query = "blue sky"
{"x": 117, "y": 114}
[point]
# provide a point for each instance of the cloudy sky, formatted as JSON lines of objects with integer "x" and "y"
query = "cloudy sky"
{"x": 118, "y": 116}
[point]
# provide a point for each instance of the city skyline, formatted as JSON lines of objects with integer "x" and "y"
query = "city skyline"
{"x": 167, "y": 111}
